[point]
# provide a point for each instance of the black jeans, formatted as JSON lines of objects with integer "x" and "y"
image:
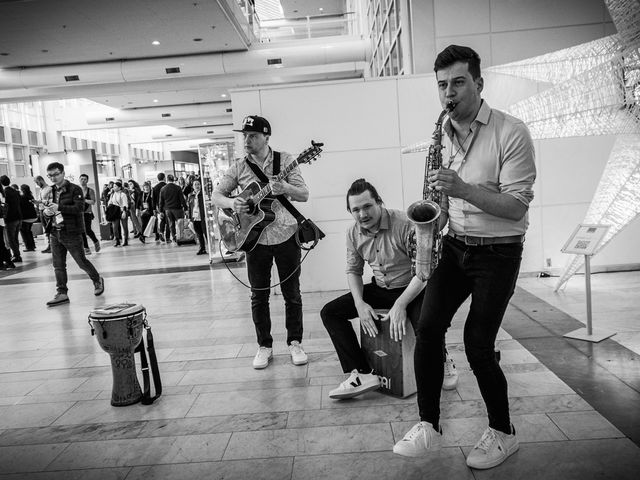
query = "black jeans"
{"x": 259, "y": 261}
{"x": 488, "y": 274}
{"x": 27, "y": 235}
{"x": 172, "y": 215}
{"x": 5, "y": 253}
{"x": 118, "y": 232}
{"x": 11, "y": 233}
{"x": 201, "y": 230}
{"x": 337, "y": 313}
{"x": 61, "y": 243}
{"x": 88, "y": 219}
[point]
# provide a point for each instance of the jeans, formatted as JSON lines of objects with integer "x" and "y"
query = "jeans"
{"x": 259, "y": 261}
{"x": 337, "y": 313}
{"x": 11, "y": 235}
{"x": 5, "y": 254}
{"x": 117, "y": 234}
{"x": 201, "y": 230}
{"x": 61, "y": 243}
{"x": 27, "y": 235}
{"x": 172, "y": 215}
{"x": 88, "y": 219}
{"x": 487, "y": 273}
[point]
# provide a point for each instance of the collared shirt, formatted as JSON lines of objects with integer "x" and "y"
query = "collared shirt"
{"x": 386, "y": 251}
{"x": 120, "y": 199}
{"x": 498, "y": 157}
{"x": 240, "y": 175}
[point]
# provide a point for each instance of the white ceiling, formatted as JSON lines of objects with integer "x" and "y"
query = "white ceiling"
{"x": 38, "y": 34}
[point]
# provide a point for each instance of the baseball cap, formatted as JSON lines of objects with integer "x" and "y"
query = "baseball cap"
{"x": 254, "y": 123}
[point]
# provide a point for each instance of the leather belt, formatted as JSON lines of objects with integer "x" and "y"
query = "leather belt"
{"x": 480, "y": 241}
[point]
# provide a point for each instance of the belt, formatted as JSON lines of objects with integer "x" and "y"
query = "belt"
{"x": 480, "y": 241}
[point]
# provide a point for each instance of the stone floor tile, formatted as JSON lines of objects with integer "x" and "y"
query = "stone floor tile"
{"x": 32, "y": 458}
{"x": 260, "y": 469}
{"x": 34, "y": 415}
{"x": 584, "y": 425}
{"x": 309, "y": 441}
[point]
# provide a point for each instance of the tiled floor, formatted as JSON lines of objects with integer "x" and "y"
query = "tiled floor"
{"x": 219, "y": 418}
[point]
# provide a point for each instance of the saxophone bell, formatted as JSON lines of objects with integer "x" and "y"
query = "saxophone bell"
{"x": 424, "y": 215}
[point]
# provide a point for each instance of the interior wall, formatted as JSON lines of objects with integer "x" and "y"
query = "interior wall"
{"x": 365, "y": 123}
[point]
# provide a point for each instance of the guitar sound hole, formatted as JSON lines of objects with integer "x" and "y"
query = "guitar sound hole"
{"x": 252, "y": 206}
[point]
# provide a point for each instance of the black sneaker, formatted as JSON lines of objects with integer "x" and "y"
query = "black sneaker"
{"x": 98, "y": 287}
{"x": 47, "y": 250}
{"x": 16, "y": 259}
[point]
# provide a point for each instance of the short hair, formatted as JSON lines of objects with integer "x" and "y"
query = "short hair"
{"x": 5, "y": 181}
{"x": 161, "y": 176}
{"x": 40, "y": 178}
{"x": 361, "y": 186}
{"x": 84, "y": 175}
{"x": 119, "y": 184}
{"x": 457, "y": 53}
{"x": 171, "y": 178}
{"x": 55, "y": 166}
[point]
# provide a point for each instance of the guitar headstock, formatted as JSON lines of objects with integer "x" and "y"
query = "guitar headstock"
{"x": 311, "y": 153}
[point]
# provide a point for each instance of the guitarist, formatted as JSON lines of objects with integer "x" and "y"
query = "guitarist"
{"x": 276, "y": 242}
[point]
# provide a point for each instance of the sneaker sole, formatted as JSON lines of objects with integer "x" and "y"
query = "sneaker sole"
{"x": 300, "y": 362}
{"x": 497, "y": 462}
{"x": 450, "y": 387}
{"x": 57, "y": 303}
{"x": 343, "y": 396}
{"x": 413, "y": 454}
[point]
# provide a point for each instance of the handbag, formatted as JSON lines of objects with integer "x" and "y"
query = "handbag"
{"x": 148, "y": 231}
{"x": 308, "y": 231}
{"x": 112, "y": 213}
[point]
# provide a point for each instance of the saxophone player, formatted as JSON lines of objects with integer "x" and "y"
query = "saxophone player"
{"x": 380, "y": 237}
{"x": 487, "y": 178}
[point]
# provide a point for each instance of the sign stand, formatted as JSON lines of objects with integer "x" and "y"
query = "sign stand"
{"x": 584, "y": 240}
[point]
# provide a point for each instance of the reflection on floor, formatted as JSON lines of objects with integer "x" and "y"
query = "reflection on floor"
{"x": 220, "y": 418}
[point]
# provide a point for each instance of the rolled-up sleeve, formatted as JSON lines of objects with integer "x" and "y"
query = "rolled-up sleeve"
{"x": 518, "y": 170}
{"x": 355, "y": 263}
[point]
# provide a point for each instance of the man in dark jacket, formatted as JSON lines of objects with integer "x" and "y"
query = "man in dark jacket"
{"x": 13, "y": 218}
{"x": 161, "y": 225}
{"x": 173, "y": 204}
{"x": 67, "y": 213}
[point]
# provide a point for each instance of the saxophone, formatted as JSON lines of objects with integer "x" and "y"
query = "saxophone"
{"x": 425, "y": 245}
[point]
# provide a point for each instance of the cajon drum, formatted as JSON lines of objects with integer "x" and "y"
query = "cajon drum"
{"x": 392, "y": 361}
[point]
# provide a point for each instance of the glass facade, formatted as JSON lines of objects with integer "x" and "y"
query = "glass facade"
{"x": 385, "y": 30}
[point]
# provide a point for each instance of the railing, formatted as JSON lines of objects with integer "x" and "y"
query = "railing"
{"x": 305, "y": 27}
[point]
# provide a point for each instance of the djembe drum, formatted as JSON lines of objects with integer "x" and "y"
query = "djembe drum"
{"x": 118, "y": 328}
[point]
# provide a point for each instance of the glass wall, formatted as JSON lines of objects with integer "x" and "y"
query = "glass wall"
{"x": 385, "y": 30}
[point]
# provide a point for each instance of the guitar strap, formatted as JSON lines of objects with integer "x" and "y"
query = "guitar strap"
{"x": 281, "y": 198}
{"x": 147, "y": 399}
{"x": 307, "y": 230}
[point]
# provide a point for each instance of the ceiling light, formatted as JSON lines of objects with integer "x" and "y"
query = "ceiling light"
{"x": 321, "y": 9}
{"x": 197, "y": 39}
{"x": 155, "y": 42}
{"x": 224, "y": 95}
{"x": 204, "y": 123}
{"x": 155, "y": 100}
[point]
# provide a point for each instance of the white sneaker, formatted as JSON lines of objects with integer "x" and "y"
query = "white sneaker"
{"x": 298, "y": 357}
{"x": 419, "y": 441}
{"x": 493, "y": 448}
{"x": 356, "y": 384}
{"x": 450, "y": 374}
{"x": 262, "y": 358}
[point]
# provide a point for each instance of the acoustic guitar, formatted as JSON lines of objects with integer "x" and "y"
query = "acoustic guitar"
{"x": 242, "y": 231}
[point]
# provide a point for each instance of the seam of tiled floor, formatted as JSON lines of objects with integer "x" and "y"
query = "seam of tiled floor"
{"x": 579, "y": 364}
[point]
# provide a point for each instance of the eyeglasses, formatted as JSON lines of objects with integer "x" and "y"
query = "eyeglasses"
{"x": 54, "y": 175}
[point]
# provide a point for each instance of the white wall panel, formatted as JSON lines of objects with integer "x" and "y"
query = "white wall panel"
{"x": 517, "y": 45}
{"x": 509, "y": 15}
{"x": 571, "y": 168}
{"x": 461, "y": 17}
{"x": 343, "y": 115}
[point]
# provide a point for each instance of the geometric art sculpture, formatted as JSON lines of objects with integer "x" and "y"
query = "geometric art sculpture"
{"x": 594, "y": 90}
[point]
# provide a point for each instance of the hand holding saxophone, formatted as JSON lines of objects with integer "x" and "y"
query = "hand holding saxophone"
{"x": 447, "y": 181}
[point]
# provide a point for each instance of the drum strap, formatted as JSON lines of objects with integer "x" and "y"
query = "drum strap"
{"x": 147, "y": 399}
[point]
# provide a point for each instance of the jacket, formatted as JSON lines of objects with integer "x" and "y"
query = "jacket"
{"x": 156, "y": 193}
{"x": 12, "y": 199}
{"x": 192, "y": 200}
{"x": 71, "y": 206}
{"x": 171, "y": 198}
